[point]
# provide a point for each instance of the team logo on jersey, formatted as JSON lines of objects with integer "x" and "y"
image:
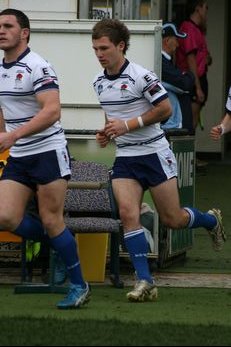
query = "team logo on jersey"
{"x": 18, "y": 80}
{"x": 4, "y": 75}
{"x": 155, "y": 88}
{"x": 64, "y": 156}
{"x": 19, "y": 77}
{"x": 124, "y": 89}
{"x": 100, "y": 89}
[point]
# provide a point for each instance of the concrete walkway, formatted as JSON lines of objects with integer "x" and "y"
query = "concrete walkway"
{"x": 194, "y": 280}
{"x": 165, "y": 279}
{"x": 185, "y": 280}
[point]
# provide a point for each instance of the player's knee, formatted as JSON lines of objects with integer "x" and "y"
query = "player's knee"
{"x": 129, "y": 217}
{"x": 174, "y": 221}
{"x": 51, "y": 222}
{"x": 8, "y": 222}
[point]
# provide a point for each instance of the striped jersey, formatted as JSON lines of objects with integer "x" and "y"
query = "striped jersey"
{"x": 128, "y": 95}
{"x": 228, "y": 102}
{"x": 20, "y": 81}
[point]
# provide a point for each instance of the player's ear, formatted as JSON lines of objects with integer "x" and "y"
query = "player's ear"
{"x": 121, "y": 45}
{"x": 25, "y": 34}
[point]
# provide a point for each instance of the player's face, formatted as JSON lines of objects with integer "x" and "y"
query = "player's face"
{"x": 111, "y": 57}
{"x": 11, "y": 34}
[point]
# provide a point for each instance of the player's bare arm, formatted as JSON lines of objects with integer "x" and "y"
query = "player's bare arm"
{"x": 156, "y": 114}
{"x": 48, "y": 115}
{"x": 2, "y": 123}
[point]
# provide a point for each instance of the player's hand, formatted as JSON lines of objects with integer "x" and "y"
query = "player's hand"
{"x": 200, "y": 97}
{"x": 102, "y": 139}
{"x": 115, "y": 128}
{"x": 6, "y": 141}
{"x": 216, "y": 132}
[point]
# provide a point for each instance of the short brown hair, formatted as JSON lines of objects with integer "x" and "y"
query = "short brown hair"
{"x": 114, "y": 29}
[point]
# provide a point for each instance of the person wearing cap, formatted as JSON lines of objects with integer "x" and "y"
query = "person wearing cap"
{"x": 193, "y": 55}
{"x": 178, "y": 84}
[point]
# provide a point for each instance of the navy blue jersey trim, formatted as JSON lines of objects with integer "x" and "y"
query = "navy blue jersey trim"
{"x": 129, "y": 144}
{"x": 120, "y": 102}
{"x": 47, "y": 86}
{"x": 42, "y": 138}
{"x": 161, "y": 98}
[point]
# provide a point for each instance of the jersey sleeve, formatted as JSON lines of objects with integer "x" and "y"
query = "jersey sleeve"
{"x": 228, "y": 102}
{"x": 44, "y": 77}
{"x": 151, "y": 88}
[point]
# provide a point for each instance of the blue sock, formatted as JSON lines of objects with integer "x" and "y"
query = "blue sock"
{"x": 137, "y": 247}
{"x": 31, "y": 228}
{"x": 65, "y": 245}
{"x": 199, "y": 219}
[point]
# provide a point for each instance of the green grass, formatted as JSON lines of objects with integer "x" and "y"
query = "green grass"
{"x": 90, "y": 332}
{"x": 181, "y": 316}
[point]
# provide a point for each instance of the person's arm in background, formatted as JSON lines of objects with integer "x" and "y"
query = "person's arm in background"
{"x": 222, "y": 128}
{"x": 174, "y": 76}
{"x": 225, "y": 125}
{"x": 191, "y": 59}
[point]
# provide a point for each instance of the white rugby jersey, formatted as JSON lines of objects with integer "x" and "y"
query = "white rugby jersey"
{"x": 228, "y": 102}
{"x": 19, "y": 82}
{"x": 128, "y": 95}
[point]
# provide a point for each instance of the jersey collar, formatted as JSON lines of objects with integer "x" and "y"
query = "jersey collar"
{"x": 114, "y": 77}
{"x": 9, "y": 65}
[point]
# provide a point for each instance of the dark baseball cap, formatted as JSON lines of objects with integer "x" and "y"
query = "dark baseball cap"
{"x": 169, "y": 29}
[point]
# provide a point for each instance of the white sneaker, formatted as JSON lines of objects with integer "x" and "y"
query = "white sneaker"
{"x": 217, "y": 234}
{"x": 143, "y": 291}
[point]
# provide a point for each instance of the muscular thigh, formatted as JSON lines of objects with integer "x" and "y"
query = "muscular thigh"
{"x": 51, "y": 197}
{"x": 128, "y": 194}
{"x": 166, "y": 199}
{"x": 14, "y": 198}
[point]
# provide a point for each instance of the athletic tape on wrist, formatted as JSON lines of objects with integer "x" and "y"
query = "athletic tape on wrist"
{"x": 140, "y": 121}
{"x": 126, "y": 124}
{"x": 222, "y": 127}
{"x": 134, "y": 123}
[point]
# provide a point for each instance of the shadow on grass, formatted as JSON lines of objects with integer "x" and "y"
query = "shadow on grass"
{"x": 21, "y": 331}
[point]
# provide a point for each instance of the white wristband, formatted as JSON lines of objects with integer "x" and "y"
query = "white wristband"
{"x": 222, "y": 127}
{"x": 126, "y": 124}
{"x": 140, "y": 121}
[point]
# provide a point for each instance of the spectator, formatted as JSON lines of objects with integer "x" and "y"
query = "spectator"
{"x": 193, "y": 55}
{"x": 178, "y": 84}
